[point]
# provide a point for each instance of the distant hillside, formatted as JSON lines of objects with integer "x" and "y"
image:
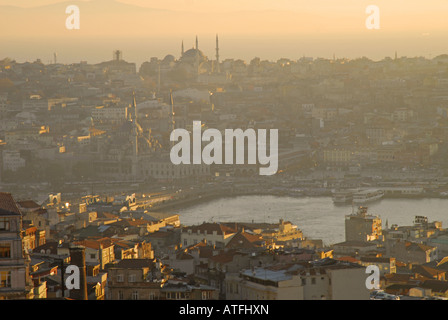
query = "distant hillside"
{"x": 107, "y": 18}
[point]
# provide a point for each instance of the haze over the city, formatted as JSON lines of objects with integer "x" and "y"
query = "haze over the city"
{"x": 267, "y": 29}
{"x": 191, "y": 150}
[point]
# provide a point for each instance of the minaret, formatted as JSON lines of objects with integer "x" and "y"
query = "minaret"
{"x": 173, "y": 123}
{"x": 197, "y": 63}
{"x": 182, "y": 53}
{"x": 134, "y": 169}
{"x": 217, "y": 55}
{"x": 158, "y": 79}
{"x": 134, "y": 109}
{"x": 172, "y": 109}
{"x": 134, "y": 125}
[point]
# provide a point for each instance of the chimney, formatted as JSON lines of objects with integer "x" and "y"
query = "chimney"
{"x": 78, "y": 258}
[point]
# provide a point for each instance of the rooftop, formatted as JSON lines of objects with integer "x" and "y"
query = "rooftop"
{"x": 134, "y": 263}
{"x": 8, "y": 205}
{"x": 266, "y": 274}
{"x": 28, "y": 204}
{"x": 209, "y": 228}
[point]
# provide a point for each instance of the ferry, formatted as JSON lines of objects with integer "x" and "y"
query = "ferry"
{"x": 367, "y": 196}
{"x": 342, "y": 196}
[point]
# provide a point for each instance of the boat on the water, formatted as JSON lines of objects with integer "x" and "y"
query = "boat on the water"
{"x": 342, "y": 196}
{"x": 368, "y": 195}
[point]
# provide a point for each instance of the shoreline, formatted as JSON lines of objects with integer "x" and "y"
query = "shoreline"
{"x": 206, "y": 198}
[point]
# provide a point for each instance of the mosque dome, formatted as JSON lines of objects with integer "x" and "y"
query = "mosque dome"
{"x": 190, "y": 55}
{"x": 168, "y": 59}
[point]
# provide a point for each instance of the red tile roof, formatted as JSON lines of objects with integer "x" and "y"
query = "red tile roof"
{"x": 28, "y": 204}
{"x": 224, "y": 257}
{"x": 349, "y": 259}
{"x": 8, "y": 205}
{"x": 244, "y": 240}
{"x": 95, "y": 244}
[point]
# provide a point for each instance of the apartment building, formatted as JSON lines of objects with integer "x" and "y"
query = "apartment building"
{"x": 15, "y": 282}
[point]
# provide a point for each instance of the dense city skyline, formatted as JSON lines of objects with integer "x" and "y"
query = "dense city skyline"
{"x": 269, "y": 29}
{"x": 223, "y": 150}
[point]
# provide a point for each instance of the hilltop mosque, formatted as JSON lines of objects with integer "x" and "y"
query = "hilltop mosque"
{"x": 192, "y": 64}
{"x": 198, "y": 61}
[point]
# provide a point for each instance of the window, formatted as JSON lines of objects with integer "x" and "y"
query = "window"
{"x": 120, "y": 278}
{"x": 92, "y": 256}
{"x": 5, "y": 250}
{"x": 131, "y": 278}
{"x": 4, "y": 224}
{"x": 313, "y": 280}
{"x": 5, "y": 279}
{"x": 303, "y": 281}
{"x": 135, "y": 295}
{"x": 120, "y": 295}
{"x": 205, "y": 295}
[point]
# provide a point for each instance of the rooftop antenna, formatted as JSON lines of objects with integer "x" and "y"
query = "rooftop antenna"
{"x": 158, "y": 79}
{"x": 117, "y": 55}
{"x": 218, "y": 70}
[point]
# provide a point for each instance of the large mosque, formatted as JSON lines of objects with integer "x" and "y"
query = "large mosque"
{"x": 133, "y": 154}
{"x": 197, "y": 60}
{"x": 192, "y": 64}
{"x": 120, "y": 156}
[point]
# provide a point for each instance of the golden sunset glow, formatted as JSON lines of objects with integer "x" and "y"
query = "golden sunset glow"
{"x": 275, "y": 28}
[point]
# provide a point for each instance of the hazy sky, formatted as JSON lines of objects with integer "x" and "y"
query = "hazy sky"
{"x": 269, "y": 29}
{"x": 404, "y": 6}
